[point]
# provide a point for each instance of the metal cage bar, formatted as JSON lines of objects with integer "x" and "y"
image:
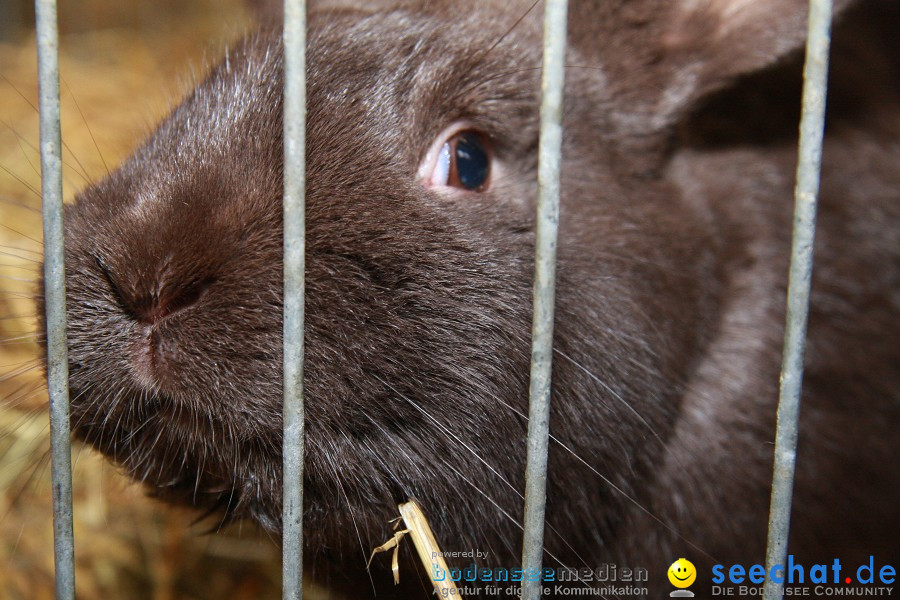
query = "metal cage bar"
{"x": 55, "y": 296}
{"x": 549, "y": 151}
{"x": 294, "y": 285}
{"x": 812, "y": 129}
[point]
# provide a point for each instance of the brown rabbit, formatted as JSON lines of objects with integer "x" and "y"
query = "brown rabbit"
{"x": 678, "y": 160}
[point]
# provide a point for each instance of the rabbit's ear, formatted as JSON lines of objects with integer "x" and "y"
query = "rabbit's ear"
{"x": 659, "y": 57}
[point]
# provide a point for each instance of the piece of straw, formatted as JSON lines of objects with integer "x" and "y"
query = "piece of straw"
{"x": 426, "y": 546}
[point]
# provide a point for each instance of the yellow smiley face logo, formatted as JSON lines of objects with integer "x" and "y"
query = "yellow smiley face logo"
{"x": 682, "y": 573}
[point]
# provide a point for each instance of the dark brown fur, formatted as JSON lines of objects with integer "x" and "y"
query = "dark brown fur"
{"x": 672, "y": 265}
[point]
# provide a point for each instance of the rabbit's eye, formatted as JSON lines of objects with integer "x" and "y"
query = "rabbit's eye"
{"x": 461, "y": 158}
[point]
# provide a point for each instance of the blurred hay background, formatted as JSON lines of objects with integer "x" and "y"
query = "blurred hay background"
{"x": 123, "y": 65}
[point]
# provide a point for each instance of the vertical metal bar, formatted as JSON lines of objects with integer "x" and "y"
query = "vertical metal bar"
{"x": 549, "y": 150}
{"x": 294, "y": 285}
{"x": 55, "y": 297}
{"x": 812, "y": 127}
